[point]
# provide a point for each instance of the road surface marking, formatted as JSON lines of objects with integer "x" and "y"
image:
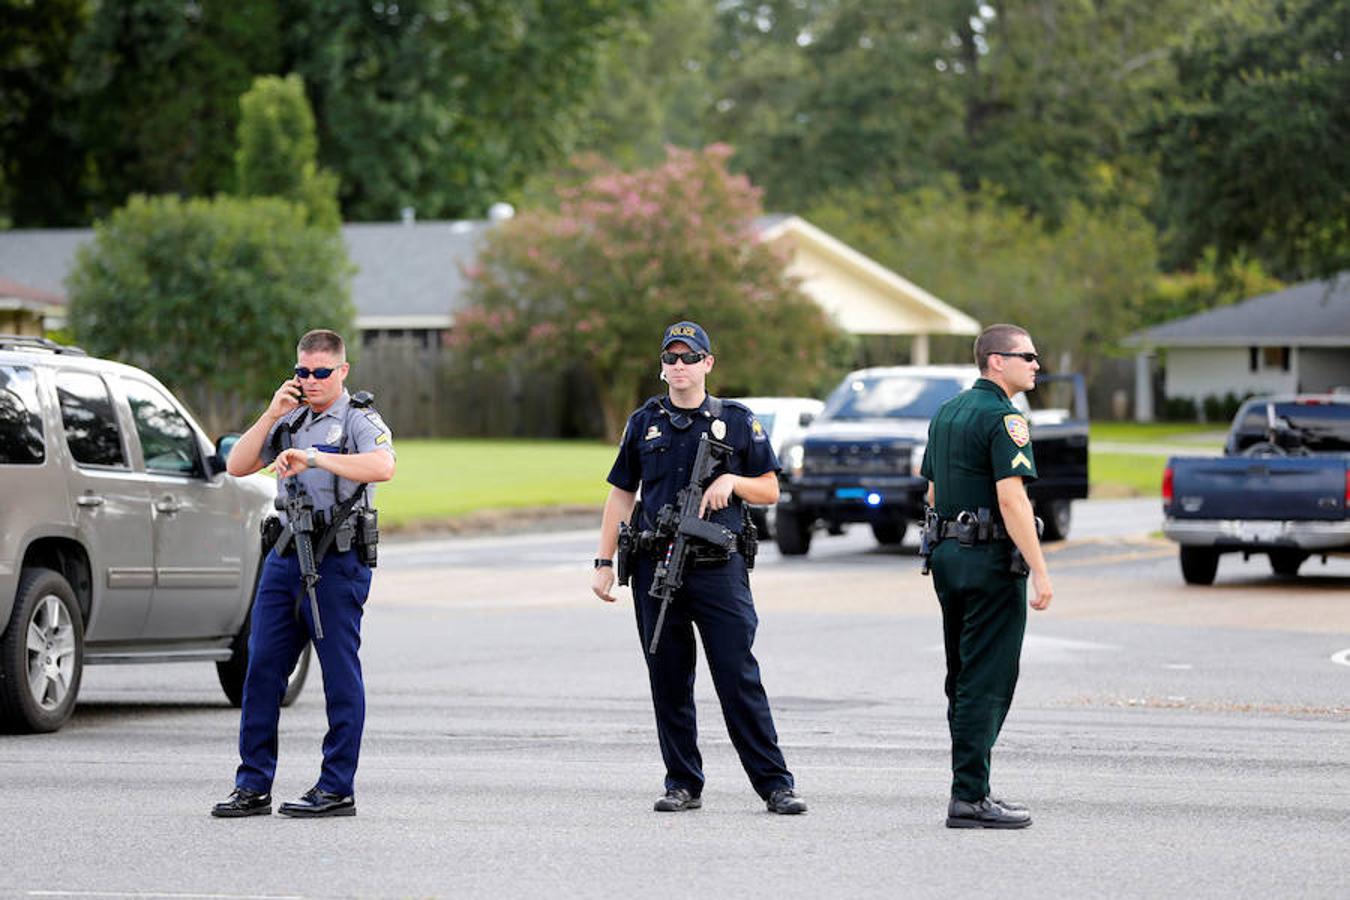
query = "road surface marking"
{"x": 168, "y": 894}
{"x": 1342, "y": 658}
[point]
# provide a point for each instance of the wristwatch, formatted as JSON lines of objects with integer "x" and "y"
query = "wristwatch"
{"x": 312, "y": 458}
{"x": 604, "y": 563}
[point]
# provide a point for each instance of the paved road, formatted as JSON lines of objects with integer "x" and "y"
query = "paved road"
{"x": 1170, "y": 740}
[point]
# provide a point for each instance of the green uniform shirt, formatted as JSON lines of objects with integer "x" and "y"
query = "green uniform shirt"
{"x": 976, "y": 439}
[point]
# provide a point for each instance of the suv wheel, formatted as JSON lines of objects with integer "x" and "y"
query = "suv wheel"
{"x": 889, "y": 533}
{"x": 41, "y": 654}
{"x": 231, "y": 672}
{"x": 1057, "y": 516}
{"x": 792, "y": 534}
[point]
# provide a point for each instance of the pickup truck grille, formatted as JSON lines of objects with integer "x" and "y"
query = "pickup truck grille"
{"x": 857, "y": 458}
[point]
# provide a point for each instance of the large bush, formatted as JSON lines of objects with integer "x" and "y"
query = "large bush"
{"x": 209, "y": 295}
{"x": 627, "y": 253}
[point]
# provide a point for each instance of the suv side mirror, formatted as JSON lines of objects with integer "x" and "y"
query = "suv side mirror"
{"x": 215, "y": 464}
{"x": 806, "y": 418}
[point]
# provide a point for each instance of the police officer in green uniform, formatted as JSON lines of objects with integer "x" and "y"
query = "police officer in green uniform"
{"x": 978, "y": 458}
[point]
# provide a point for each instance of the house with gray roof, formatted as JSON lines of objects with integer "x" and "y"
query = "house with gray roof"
{"x": 410, "y": 281}
{"x": 1295, "y": 340}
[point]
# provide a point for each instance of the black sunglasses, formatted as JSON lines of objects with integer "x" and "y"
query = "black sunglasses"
{"x": 688, "y": 357}
{"x": 321, "y": 374}
{"x": 1021, "y": 354}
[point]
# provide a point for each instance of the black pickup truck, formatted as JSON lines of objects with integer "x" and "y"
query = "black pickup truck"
{"x": 859, "y": 460}
{"x": 1281, "y": 488}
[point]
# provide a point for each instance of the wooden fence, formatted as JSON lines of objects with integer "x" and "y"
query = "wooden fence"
{"x": 428, "y": 392}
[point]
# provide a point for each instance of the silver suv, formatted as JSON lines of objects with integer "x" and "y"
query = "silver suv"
{"x": 121, "y": 540}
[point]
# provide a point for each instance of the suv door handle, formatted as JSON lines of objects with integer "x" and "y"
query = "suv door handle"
{"x": 167, "y": 505}
{"x": 89, "y": 500}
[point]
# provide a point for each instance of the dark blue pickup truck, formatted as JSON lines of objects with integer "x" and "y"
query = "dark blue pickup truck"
{"x": 1281, "y": 488}
{"x": 858, "y": 462}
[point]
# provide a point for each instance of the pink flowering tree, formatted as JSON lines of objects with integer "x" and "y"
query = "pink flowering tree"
{"x": 627, "y": 253}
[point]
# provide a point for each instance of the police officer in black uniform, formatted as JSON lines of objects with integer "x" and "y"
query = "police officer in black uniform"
{"x": 978, "y": 457}
{"x": 337, "y": 446}
{"x": 656, "y": 454}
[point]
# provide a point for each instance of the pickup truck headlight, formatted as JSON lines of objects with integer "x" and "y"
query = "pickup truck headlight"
{"x": 916, "y": 459}
{"x": 794, "y": 457}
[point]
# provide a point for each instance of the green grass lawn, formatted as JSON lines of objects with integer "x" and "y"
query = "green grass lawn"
{"x": 1125, "y": 474}
{"x": 439, "y": 479}
{"x": 1140, "y": 475}
{"x": 1181, "y": 433}
{"x": 443, "y": 479}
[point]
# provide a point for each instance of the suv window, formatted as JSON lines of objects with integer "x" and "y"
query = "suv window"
{"x": 890, "y": 397}
{"x": 20, "y": 425}
{"x": 167, "y": 440}
{"x": 89, "y": 419}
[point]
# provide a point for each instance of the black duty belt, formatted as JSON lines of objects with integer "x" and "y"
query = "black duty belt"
{"x": 948, "y": 528}
{"x": 320, "y": 527}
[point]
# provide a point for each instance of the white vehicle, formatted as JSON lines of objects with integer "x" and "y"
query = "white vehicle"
{"x": 785, "y": 419}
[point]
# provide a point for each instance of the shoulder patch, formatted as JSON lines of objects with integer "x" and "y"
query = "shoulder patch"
{"x": 1018, "y": 429}
{"x": 757, "y": 432}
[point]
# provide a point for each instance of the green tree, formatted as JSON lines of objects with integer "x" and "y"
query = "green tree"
{"x": 624, "y": 255}
{"x": 159, "y": 82}
{"x": 41, "y": 160}
{"x": 278, "y": 147}
{"x": 1037, "y": 97}
{"x": 652, "y": 86}
{"x": 209, "y": 295}
{"x": 1209, "y": 285}
{"x": 1252, "y": 147}
{"x": 1074, "y": 286}
{"x": 445, "y": 107}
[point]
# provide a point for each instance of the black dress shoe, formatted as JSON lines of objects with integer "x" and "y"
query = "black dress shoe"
{"x": 243, "y": 802}
{"x": 677, "y": 800}
{"x": 984, "y": 814}
{"x": 315, "y": 803}
{"x": 785, "y": 802}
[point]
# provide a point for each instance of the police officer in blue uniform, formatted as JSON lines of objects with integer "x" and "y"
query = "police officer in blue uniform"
{"x": 312, "y": 431}
{"x": 655, "y": 456}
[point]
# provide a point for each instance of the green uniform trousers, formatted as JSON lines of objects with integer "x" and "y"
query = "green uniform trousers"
{"x": 984, "y": 615}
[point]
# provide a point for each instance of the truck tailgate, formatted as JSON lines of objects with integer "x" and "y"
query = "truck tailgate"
{"x": 1282, "y": 488}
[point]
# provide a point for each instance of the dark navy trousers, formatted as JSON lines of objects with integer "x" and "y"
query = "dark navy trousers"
{"x": 717, "y": 601}
{"x": 276, "y": 639}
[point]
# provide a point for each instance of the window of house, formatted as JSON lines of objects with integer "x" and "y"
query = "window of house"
{"x": 1275, "y": 358}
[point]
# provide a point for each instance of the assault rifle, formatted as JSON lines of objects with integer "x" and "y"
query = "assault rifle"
{"x": 679, "y": 527}
{"x": 299, "y": 508}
